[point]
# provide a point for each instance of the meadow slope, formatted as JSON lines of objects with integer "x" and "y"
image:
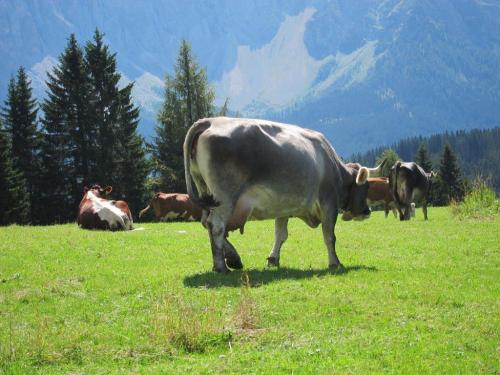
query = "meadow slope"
{"x": 415, "y": 297}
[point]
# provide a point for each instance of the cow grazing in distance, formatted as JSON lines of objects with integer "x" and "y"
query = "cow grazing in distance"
{"x": 240, "y": 169}
{"x": 167, "y": 206}
{"x": 379, "y": 191}
{"x": 96, "y": 212}
{"x": 410, "y": 183}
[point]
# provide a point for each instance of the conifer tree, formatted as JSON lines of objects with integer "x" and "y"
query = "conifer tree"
{"x": 132, "y": 168}
{"x": 188, "y": 97}
{"x": 14, "y": 203}
{"x": 422, "y": 158}
{"x": 67, "y": 144}
{"x": 20, "y": 117}
{"x": 224, "y": 109}
{"x": 104, "y": 104}
{"x": 450, "y": 183}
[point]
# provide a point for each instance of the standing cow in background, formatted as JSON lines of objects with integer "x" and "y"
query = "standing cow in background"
{"x": 96, "y": 212}
{"x": 410, "y": 183}
{"x": 238, "y": 169}
{"x": 379, "y": 191}
{"x": 168, "y": 206}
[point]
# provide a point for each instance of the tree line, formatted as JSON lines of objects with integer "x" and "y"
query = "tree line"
{"x": 85, "y": 132}
{"x": 458, "y": 158}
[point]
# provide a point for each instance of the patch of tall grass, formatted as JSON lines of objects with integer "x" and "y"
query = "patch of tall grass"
{"x": 188, "y": 326}
{"x": 198, "y": 325}
{"x": 479, "y": 203}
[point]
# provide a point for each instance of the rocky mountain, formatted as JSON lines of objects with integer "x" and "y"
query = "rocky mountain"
{"x": 365, "y": 72}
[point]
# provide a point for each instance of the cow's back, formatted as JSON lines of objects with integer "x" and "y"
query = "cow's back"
{"x": 266, "y": 169}
{"x": 175, "y": 205}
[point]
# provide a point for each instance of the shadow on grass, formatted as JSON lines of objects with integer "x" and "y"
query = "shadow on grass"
{"x": 258, "y": 277}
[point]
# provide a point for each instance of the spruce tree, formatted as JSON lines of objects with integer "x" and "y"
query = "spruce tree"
{"x": 224, "y": 109}
{"x": 20, "y": 117}
{"x": 188, "y": 97}
{"x": 104, "y": 104}
{"x": 14, "y": 203}
{"x": 132, "y": 167}
{"x": 422, "y": 158}
{"x": 450, "y": 183}
{"x": 68, "y": 145}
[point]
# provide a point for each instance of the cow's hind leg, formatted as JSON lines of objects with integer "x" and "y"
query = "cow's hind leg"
{"x": 328, "y": 227}
{"x": 280, "y": 235}
{"x": 216, "y": 225}
{"x": 424, "y": 209}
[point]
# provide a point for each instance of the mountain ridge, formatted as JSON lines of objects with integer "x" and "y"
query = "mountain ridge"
{"x": 364, "y": 73}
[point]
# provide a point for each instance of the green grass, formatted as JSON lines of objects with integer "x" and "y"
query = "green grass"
{"x": 479, "y": 203}
{"x": 415, "y": 297}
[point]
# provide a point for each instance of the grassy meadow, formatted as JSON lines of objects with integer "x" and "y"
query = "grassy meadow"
{"x": 415, "y": 297}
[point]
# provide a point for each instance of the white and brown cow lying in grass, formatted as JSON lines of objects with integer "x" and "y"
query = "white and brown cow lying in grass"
{"x": 96, "y": 212}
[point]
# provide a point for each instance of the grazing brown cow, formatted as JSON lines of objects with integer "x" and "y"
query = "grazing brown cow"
{"x": 168, "y": 206}
{"x": 96, "y": 212}
{"x": 379, "y": 191}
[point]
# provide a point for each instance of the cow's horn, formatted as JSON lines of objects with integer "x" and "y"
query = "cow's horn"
{"x": 378, "y": 168}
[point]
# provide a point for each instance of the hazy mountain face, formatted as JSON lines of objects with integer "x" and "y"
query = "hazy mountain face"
{"x": 363, "y": 72}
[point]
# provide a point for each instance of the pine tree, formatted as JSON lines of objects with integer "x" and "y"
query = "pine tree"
{"x": 422, "y": 158}
{"x": 188, "y": 97}
{"x": 67, "y": 144}
{"x": 390, "y": 156}
{"x": 450, "y": 183}
{"x": 132, "y": 168}
{"x": 20, "y": 116}
{"x": 224, "y": 109}
{"x": 14, "y": 203}
{"x": 104, "y": 103}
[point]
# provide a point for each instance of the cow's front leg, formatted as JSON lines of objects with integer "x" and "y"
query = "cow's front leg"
{"x": 216, "y": 226}
{"x": 280, "y": 235}
{"x": 232, "y": 257}
{"x": 406, "y": 212}
{"x": 328, "y": 227}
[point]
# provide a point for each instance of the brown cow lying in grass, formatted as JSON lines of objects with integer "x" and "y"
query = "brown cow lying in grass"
{"x": 168, "y": 206}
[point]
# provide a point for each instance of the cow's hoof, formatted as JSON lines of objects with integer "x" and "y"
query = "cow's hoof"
{"x": 234, "y": 263}
{"x": 221, "y": 269}
{"x": 273, "y": 262}
{"x": 336, "y": 267}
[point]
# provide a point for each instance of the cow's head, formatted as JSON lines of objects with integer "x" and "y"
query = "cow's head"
{"x": 97, "y": 190}
{"x": 431, "y": 175}
{"x": 355, "y": 204}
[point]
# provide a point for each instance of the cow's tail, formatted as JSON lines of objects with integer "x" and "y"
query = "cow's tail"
{"x": 202, "y": 198}
{"x": 394, "y": 184}
{"x": 143, "y": 211}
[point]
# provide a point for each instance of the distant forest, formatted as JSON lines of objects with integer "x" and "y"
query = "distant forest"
{"x": 478, "y": 152}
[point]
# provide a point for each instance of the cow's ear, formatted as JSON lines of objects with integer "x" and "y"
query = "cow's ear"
{"x": 108, "y": 189}
{"x": 85, "y": 189}
{"x": 362, "y": 176}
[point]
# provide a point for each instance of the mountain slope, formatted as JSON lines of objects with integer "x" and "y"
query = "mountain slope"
{"x": 365, "y": 72}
